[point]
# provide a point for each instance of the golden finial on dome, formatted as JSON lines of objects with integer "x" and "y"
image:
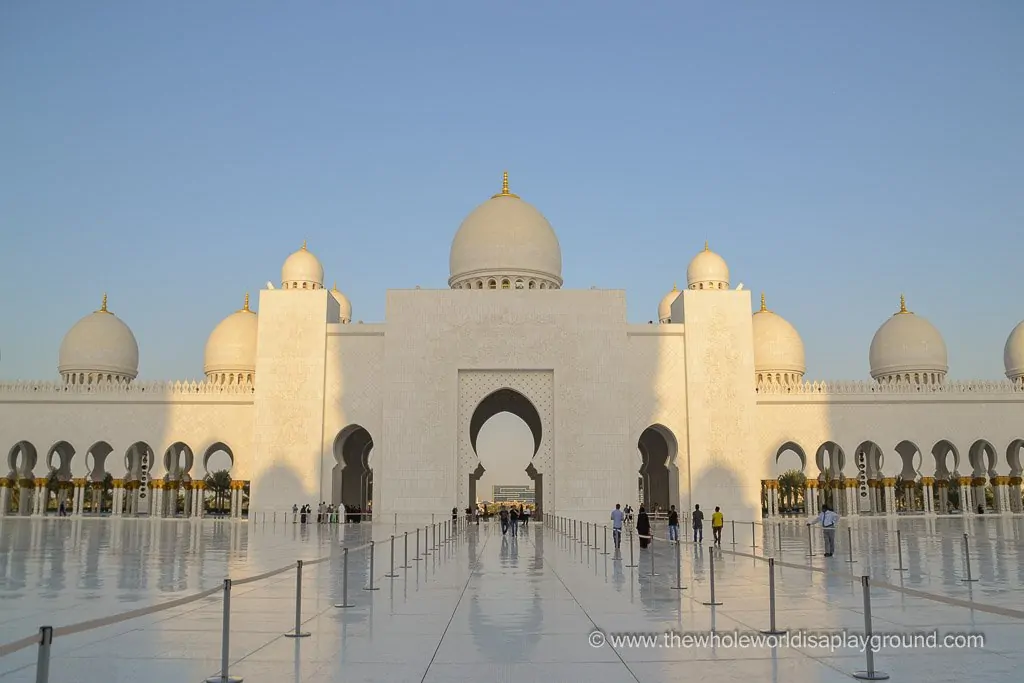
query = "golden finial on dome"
{"x": 903, "y": 305}
{"x": 103, "y": 305}
{"x": 504, "y": 188}
{"x": 303, "y": 245}
{"x": 764, "y": 306}
{"x": 706, "y": 246}
{"x": 245, "y": 306}
{"x": 675, "y": 287}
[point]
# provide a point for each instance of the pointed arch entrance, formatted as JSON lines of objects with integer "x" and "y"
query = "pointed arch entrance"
{"x": 659, "y": 477}
{"x": 352, "y": 477}
{"x": 526, "y": 394}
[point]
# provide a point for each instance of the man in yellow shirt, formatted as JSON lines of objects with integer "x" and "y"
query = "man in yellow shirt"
{"x": 717, "y": 522}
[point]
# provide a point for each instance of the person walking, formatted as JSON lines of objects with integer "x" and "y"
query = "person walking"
{"x": 618, "y": 516}
{"x": 643, "y": 527}
{"x": 673, "y": 524}
{"x": 503, "y": 516}
{"x": 828, "y": 520}
{"x": 513, "y": 520}
{"x": 698, "y": 524}
{"x": 717, "y": 522}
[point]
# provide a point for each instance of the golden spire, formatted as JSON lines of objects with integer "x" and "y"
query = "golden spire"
{"x": 706, "y": 246}
{"x": 303, "y": 245}
{"x": 675, "y": 287}
{"x": 245, "y": 306}
{"x": 903, "y": 305}
{"x": 103, "y": 306}
{"x": 504, "y": 188}
{"x": 764, "y": 306}
{"x": 335, "y": 287}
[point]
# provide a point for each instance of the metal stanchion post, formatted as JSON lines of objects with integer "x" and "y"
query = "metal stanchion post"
{"x": 711, "y": 571}
{"x": 967, "y": 561}
{"x": 371, "y": 587}
{"x": 652, "y": 555}
{"x": 588, "y": 534}
{"x": 772, "y": 631}
{"x": 810, "y": 543}
{"x": 417, "y": 558}
{"x": 679, "y": 568}
{"x": 632, "y": 563}
{"x": 433, "y": 536}
{"x": 733, "y": 525}
{"x": 426, "y": 540}
{"x": 298, "y": 633}
{"x": 605, "y": 540}
{"x": 405, "y": 551}
{"x": 849, "y": 542}
{"x": 753, "y": 535}
{"x": 225, "y": 636}
{"x": 392, "y": 573}
{"x": 899, "y": 551}
{"x": 870, "y": 674}
{"x": 344, "y": 579}
{"x": 43, "y": 660}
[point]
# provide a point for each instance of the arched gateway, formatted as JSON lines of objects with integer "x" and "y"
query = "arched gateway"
{"x": 526, "y": 394}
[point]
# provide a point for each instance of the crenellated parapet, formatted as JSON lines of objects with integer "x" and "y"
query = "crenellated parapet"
{"x": 134, "y": 391}
{"x": 865, "y": 388}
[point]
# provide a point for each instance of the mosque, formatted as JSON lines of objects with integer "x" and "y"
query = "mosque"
{"x": 704, "y": 407}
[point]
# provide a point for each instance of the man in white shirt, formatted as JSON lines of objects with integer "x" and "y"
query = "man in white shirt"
{"x": 828, "y": 520}
{"x": 617, "y": 518}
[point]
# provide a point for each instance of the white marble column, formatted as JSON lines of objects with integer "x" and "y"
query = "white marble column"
{"x": 966, "y": 499}
{"x": 200, "y": 496}
{"x": 5, "y": 496}
{"x": 38, "y": 498}
{"x": 978, "y": 493}
{"x": 889, "y": 484}
{"x": 234, "y": 501}
{"x": 118, "y": 508}
{"x": 156, "y": 490}
{"x": 852, "y": 491}
{"x": 1002, "y": 498}
{"x": 1014, "y": 494}
{"x": 77, "y": 497}
{"x": 928, "y": 494}
{"x": 811, "y": 498}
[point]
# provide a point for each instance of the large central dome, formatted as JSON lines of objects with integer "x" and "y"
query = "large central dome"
{"x": 505, "y": 243}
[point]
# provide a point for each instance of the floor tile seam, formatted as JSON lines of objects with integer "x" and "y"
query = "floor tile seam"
{"x": 469, "y": 579}
{"x": 589, "y": 618}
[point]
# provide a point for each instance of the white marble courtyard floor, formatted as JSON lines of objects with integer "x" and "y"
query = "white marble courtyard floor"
{"x": 488, "y": 608}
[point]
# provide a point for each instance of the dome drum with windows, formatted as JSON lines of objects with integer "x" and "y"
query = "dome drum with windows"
{"x": 505, "y": 243}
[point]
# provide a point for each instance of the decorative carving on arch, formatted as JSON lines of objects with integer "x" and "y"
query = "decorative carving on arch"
{"x": 502, "y": 391}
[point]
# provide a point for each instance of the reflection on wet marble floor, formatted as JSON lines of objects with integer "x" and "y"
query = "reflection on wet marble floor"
{"x": 487, "y": 607}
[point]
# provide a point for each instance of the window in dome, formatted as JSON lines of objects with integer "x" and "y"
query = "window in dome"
{"x": 520, "y": 284}
{"x": 491, "y": 284}
{"x": 505, "y": 284}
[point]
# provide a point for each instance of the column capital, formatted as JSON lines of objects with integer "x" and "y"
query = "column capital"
{"x": 964, "y": 481}
{"x": 199, "y": 484}
{"x": 889, "y": 481}
{"x": 119, "y": 483}
{"x": 928, "y": 481}
{"x": 852, "y": 483}
{"x": 942, "y": 483}
{"x": 1000, "y": 481}
{"x": 1015, "y": 481}
{"x": 979, "y": 481}
{"x": 80, "y": 482}
{"x": 812, "y": 483}
{"x": 909, "y": 484}
{"x": 27, "y": 482}
{"x": 4, "y": 482}
{"x": 40, "y": 481}
{"x": 156, "y": 484}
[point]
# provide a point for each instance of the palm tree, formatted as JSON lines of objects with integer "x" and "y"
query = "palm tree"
{"x": 791, "y": 488}
{"x": 219, "y": 483}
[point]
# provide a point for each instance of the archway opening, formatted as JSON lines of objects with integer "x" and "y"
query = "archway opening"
{"x": 908, "y": 481}
{"x": 178, "y": 461}
{"x": 504, "y": 431}
{"x": 352, "y": 476}
{"x": 21, "y": 462}
{"x": 218, "y": 462}
{"x": 982, "y": 457}
{"x": 791, "y": 468}
{"x": 659, "y": 478}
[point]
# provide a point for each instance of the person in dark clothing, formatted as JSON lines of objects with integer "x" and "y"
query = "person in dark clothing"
{"x": 513, "y": 520}
{"x": 698, "y": 525}
{"x": 455, "y": 515}
{"x": 643, "y": 527}
{"x": 503, "y": 516}
{"x": 673, "y": 525}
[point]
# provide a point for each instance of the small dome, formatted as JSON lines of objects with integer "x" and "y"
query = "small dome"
{"x": 665, "y": 307}
{"x": 508, "y": 241}
{"x": 778, "y": 349}
{"x": 230, "y": 356}
{"x": 908, "y": 348}
{"x": 97, "y": 348}
{"x": 302, "y": 270}
{"x": 707, "y": 270}
{"x": 1013, "y": 353}
{"x": 344, "y": 305}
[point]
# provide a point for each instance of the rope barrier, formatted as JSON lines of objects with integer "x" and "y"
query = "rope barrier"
{"x": 34, "y": 639}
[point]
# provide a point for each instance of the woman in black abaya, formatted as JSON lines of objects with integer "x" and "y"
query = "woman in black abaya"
{"x": 643, "y": 527}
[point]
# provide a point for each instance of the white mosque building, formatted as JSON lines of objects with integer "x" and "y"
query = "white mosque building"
{"x": 309, "y": 406}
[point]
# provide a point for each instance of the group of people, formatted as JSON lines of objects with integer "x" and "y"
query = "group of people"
{"x": 512, "y": 517}
{"x": 327, "y": 513}
{"x": 621, "y": 517}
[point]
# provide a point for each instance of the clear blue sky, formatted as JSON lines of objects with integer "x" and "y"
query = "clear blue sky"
{"x": 837, "y": 154}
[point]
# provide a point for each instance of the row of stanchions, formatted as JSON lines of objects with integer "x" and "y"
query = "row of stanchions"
{"x": 448, "y": 530}
{"x": 571, "y": 528}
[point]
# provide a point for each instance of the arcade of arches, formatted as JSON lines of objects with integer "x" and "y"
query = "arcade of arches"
{"x": 513, "y": 402}
{"x": 93, "y": 481}
{"x": 903, "y": 480}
